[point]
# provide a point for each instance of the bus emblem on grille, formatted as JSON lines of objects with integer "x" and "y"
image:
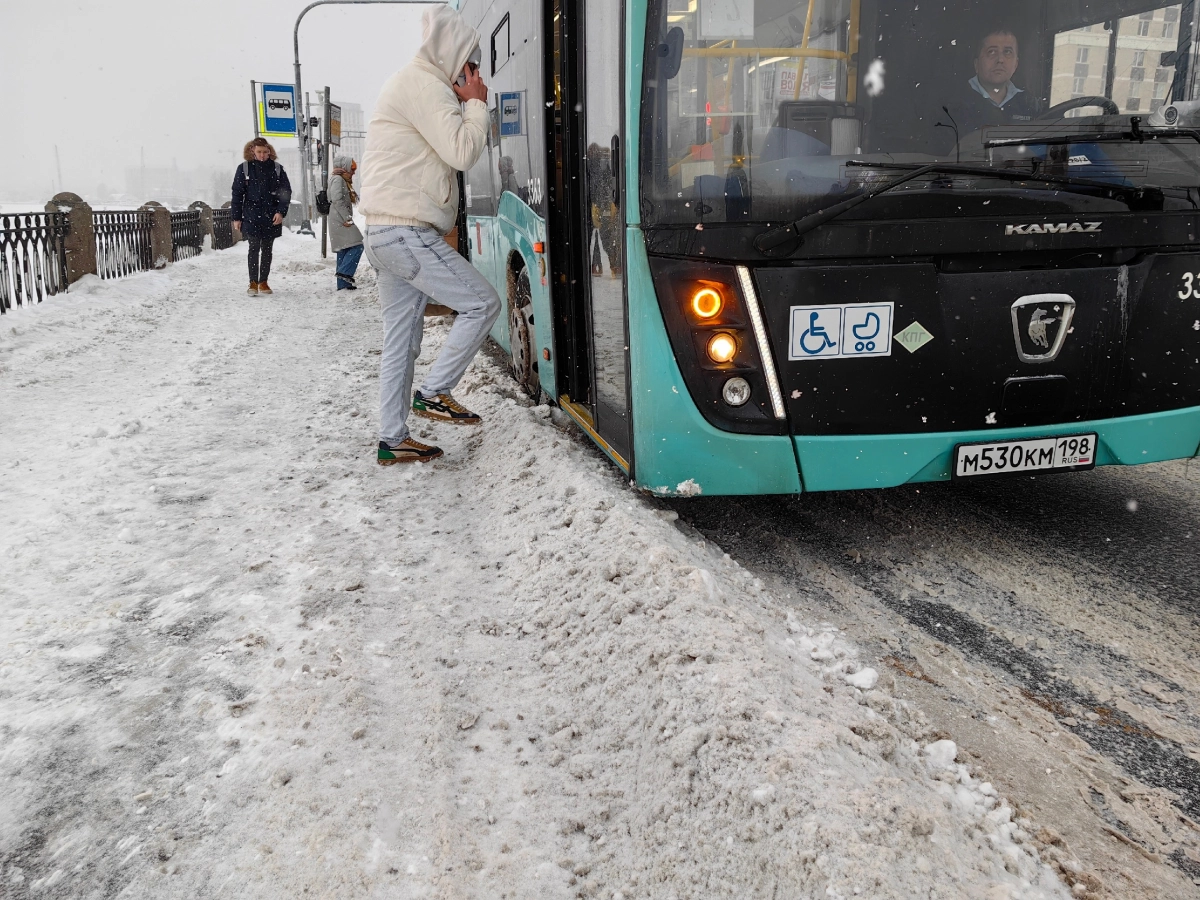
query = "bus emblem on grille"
{"x": 1041, "y": 323}
{"x": 1037, "y": 328}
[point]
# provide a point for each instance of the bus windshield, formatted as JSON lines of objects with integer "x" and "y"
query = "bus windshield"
{"x": 752, "y": 109}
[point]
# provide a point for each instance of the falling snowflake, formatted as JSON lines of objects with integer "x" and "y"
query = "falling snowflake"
{"x": 873, "y": 81}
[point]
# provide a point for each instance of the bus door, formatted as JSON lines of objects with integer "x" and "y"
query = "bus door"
{"x": 586, "y": 217}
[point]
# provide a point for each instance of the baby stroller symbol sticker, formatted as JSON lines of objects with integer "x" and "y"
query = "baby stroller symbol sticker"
{"x": 866, "y": 332}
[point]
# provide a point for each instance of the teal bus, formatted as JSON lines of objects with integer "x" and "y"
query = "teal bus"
{"x": 779, "y": 246}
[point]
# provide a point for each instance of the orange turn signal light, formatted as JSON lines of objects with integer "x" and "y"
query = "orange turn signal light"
{"x": 539, "y": 247}
{"x": 722, "y": 347}
{"x": 707, "y": 302}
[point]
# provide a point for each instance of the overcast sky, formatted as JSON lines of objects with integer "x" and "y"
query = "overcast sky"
{"x": 103, "y": 79}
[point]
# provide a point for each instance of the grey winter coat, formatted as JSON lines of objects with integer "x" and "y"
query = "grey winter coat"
{"x": 341, "y": 210}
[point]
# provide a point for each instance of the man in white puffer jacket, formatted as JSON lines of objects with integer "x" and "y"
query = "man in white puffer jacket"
{"x": 431, "y": 123}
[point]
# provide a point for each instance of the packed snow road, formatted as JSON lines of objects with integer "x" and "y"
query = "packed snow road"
{"x": 1050, "y": 625}
{"x": 238, "y": 659}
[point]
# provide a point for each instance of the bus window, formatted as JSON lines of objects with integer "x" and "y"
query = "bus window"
{"x": 501, "y": 49}
{"x": 512, "y": 167}
{"x": 1131, "y": 63}
{"x": 753, "y": 118}
{"x": 480, "y": 183}
{"x": 513, "y": 164}
{"x": 605, "y": 257}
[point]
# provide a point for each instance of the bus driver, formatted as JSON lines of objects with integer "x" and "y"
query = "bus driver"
{"x": 991, "y": 97}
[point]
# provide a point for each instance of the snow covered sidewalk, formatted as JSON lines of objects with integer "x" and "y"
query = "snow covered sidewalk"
{"x": 238, "y": 659}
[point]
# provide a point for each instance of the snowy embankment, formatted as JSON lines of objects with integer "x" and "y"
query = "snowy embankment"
{"x": 238, "y": 659}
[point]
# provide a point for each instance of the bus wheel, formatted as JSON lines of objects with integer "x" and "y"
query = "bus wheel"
{"x": 520, "y": 339}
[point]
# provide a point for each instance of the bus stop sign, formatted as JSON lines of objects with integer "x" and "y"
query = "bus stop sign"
{"x": 277, "y": 110}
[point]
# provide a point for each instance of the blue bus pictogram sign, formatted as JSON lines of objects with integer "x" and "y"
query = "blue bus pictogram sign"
{"x": 277, "y": 110}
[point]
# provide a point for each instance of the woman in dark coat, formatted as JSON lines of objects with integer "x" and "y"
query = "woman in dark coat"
{"x": 261, "y": 194}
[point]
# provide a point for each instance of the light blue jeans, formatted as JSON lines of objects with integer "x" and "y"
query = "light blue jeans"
{"x": 414, "y": 266}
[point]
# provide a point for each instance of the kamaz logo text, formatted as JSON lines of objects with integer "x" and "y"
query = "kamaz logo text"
{"x": 1063, "y": 228}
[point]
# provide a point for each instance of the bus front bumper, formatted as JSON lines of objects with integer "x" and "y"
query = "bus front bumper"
{"x": 882, "y": 461}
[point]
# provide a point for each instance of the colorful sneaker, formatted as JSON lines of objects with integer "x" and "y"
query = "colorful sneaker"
{"x": 405, "y": 452}
{"x": 264, "y": 288}
{"x": 253, "y": 289}
{"x": 443, "y": 408}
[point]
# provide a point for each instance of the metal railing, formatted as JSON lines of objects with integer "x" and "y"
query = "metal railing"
{"x": 187, "y": 235}
{"x": 122, "y": 242}
{"x": 33, "y": 258}
{"x": 222, "y": 229}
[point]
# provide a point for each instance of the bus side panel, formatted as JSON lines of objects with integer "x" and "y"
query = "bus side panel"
{"x": 483, "y": 234}
{"x": 673, "y": 444}
{"x": 519, "y": 228}
{"x": 676, "y": 451}
{"x": 883, "y": 461}
{"x": 509, "y": 226}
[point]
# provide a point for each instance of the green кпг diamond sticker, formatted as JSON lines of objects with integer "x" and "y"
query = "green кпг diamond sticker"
{"x": 914, "y": 337}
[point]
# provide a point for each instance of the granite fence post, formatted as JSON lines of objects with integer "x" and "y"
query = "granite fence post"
{"x": 206, "y": 222}
{"x": 162, "y": 249}
{"x": 80, "y": 242}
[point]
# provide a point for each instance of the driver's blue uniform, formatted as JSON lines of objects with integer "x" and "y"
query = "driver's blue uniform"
{"x": 973, "y": 111}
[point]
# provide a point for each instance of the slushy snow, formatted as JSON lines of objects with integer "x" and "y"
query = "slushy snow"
{"x": 238, "y": 659}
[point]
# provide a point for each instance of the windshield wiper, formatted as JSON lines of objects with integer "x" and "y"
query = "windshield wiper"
{"x": 770, "y": 241}
{"x": 1135, "y": 134}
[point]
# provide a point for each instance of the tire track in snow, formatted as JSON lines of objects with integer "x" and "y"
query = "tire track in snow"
{"x": 924, "y": 538}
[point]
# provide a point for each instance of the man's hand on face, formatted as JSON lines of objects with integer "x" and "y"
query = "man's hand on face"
{"x": 474, "y": 89}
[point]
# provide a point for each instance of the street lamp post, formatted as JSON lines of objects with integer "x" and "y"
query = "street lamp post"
{"x": 301, "y": 125}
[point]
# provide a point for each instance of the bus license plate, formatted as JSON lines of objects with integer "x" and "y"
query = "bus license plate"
{"x": 1070, "y": 453}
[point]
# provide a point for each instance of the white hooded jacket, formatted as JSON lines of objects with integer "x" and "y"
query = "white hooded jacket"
{"x": 421, "y": 135}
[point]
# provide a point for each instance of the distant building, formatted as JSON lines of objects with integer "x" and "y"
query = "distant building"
{"x": 175, "y": 187}
{"x": 354, "y": 130}
{"x": 1140, "y": 83}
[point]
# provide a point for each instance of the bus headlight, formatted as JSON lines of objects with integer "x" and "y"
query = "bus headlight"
{"x": 736, "y": 391}
{"x": 722, "y": 347}
{"x": 707, "y": 303}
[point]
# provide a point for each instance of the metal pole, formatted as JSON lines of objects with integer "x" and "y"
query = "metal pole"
{"x": 301, "y": 133}
{"x": 1181, "y": 90}
{"x": 325, "y": 129}
{"x": 308, "y": 163}
{"x": 254, "y": 105}
{"x": 302, "y": 137}
{"x": 1110, "y": 74}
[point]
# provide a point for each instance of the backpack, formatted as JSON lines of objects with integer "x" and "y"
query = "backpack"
{"x": 246, "y": 170}
{"x": 323, "y": 202}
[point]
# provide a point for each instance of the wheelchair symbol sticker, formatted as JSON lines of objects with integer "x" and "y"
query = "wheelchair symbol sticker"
{"x": 841, "y": 332}
{"x": 816, "y": 333}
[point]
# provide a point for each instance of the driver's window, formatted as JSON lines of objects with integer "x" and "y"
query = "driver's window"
{"x": 1142, "y": 47}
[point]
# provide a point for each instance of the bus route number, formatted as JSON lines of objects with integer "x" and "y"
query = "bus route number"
{"x": 1191, "y": 286}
